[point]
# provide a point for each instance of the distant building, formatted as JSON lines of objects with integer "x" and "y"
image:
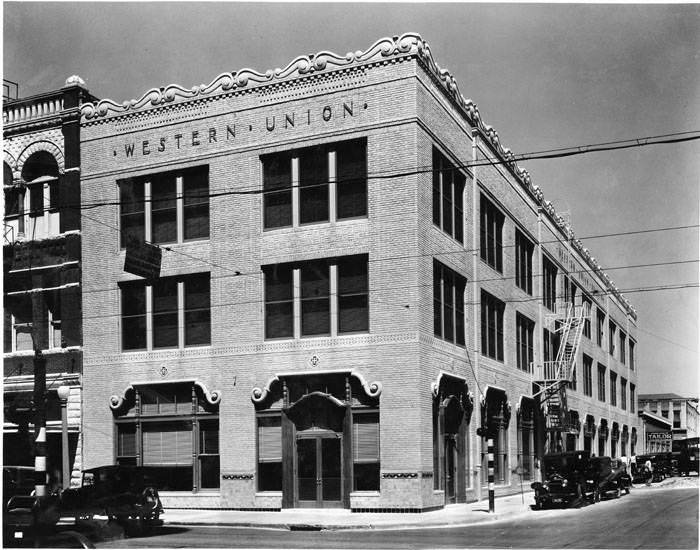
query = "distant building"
{"x": 41, "y": 267}
{"x": 657, "y": 434}
{"x": 682, "y": 412}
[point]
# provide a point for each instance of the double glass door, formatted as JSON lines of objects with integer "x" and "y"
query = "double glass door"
{"x": 319, "y": 471}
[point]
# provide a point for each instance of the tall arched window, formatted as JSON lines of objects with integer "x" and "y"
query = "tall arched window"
{"x": 41, "y": 177}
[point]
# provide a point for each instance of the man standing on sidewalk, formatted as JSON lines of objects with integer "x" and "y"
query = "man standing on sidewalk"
{"x": 650, "y": 470}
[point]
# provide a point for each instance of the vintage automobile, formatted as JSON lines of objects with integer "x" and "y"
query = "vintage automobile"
{"x": 568, "y": 478}
{"x": 687, "y": 456}
{"x": 24, "y": 515}
{"x": 612, "y": 476}
{"x": 661, "y": 465}
{"x": 125, "y": 494}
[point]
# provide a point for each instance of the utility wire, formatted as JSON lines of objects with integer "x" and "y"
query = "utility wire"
{"x": 556, "y": 153}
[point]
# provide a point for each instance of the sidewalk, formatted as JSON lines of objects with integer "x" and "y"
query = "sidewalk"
{"x": 453, "y": 515}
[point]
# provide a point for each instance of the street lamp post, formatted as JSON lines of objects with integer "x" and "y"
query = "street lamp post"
{"x": 63, "y": 393}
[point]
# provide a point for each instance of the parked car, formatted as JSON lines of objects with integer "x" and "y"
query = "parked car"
{"x": 567, "y": 478}
{"x": 126, "y": 494}
{"x": 612, "y": 476}
{"x": 661, "y": 465}
{"x": 24, "y": 515}
{"x": 688, "y": 456}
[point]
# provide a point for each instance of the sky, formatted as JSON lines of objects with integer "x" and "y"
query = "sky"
{"x": 543, "y": 75}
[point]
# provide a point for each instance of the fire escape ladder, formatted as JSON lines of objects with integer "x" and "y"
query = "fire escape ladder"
{"x": 554, "y": 377}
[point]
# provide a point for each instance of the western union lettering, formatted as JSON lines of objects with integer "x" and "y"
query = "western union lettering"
{"x": 268, "y": 124}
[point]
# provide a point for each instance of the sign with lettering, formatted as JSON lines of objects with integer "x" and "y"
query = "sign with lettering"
{"x": 143, "y": 259}
{"x": 575, "y": 269}
{"x": 659, "y": 436}
{"x": 236, "y": 130}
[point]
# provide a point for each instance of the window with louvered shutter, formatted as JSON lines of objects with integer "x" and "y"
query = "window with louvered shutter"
{"x": 269, "y": 439}
{"x": 126, "y": 443}
{"x": 365, "y": 450}
{"x": 365, "y": 437}
{"x": 269, "y": 475}
{"x": 167, "y": 444}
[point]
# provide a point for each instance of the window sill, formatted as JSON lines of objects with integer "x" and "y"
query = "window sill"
{"x": 268, "y": 494}
{"x": 365, "y": 494}
{"x": 200, "y": 493}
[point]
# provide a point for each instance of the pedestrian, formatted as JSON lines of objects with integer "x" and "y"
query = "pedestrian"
{"x": 649, "y": 468}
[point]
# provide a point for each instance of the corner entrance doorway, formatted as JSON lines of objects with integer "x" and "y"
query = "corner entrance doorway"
{"x": 319, "y": 469}
{"x": 450, "y": 469}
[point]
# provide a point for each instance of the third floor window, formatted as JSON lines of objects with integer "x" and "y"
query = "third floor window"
{"x": 491, "y": 234}
{"x": 170, "y": 207}
{"x": 448, "y": 191}
{"x": 523, "y": 261}
{"x": 316, "y": 184}
{"x": 549, "y": 283}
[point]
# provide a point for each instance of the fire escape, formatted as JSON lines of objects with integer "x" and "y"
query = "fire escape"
{"x": 553, "y": 377}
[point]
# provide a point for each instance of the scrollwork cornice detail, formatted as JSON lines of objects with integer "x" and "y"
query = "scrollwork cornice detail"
{"x": 258, "y": 395}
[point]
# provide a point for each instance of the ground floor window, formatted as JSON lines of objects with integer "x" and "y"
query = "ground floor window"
{"x": 175, "y": 434}
{"x": 365, "y": 450}
{"x": 269, "y": 452}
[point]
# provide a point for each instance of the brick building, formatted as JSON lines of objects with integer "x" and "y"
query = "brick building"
{"x": 355, "y": 276}
{"x": 41, "y": 268}
{"x": 682, "y": 412}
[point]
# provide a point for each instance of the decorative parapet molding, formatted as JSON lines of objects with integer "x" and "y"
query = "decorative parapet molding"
{"x": 383, "y": 50}
{"x": 116, "y": 401}
{"x": 372, "y": 389}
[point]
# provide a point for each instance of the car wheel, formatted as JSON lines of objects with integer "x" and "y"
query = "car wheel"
{"x": 618, "y": 492}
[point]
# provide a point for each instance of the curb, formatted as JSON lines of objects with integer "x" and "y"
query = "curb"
{"x": 345, "y": 527}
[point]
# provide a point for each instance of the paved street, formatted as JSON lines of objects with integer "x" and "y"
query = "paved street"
{"x": 657, "y": 517}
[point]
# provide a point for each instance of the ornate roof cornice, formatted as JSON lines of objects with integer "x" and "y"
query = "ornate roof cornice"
{"x": 384, "y": 50}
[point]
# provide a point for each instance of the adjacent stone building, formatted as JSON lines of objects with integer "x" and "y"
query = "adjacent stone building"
{"x": 355, "y": 276}
{"x": 41, "y": 269}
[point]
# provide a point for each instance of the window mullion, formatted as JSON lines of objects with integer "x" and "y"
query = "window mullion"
{"x": 147, "y": 211}
{"x": 333, "y": 282}
{"x": 332, "y": 186}
{"x": 296, "y": 296}
{"x": 181, "y": 314}
{"x": 149, "y": 316}
{"x": 180, "y": 209}
{"x": 295, "y": 191}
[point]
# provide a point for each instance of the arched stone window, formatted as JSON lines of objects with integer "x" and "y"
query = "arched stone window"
{"x": 589, "y": 429}
{"x": 603, "y": 432}
{"x": 14, "y": 204}
{"x": 40, "y": 174}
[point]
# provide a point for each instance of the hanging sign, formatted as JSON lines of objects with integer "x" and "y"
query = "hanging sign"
{"x": 143, "y": 259}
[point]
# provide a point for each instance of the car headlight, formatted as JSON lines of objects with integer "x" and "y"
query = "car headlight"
{"x": 564, "y": 483}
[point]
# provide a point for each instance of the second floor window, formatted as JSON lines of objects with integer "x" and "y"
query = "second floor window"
{"x": 523, "y": 261}
{"x": 601, "y": 383}
{"x": 587, "y": 375}
{"x": 448, "y": 191}
{"x": 632, "y": 398}
{"x": 448, "y": 304}
{"x": 491, "y": 234}
{"x": 524, "y": 336}
{"x": 170, "y": 207}
{"x": 550, "y": 345}
{"x": 175, "y": 312}
{"x": 492, "y": 326}
{"x": 301, "y": 186}
{"x": 332, "y": 297}
{"x": 613, "y": 388}
{"x": 549, "y": 283}
{"x": 623, "y": 393}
